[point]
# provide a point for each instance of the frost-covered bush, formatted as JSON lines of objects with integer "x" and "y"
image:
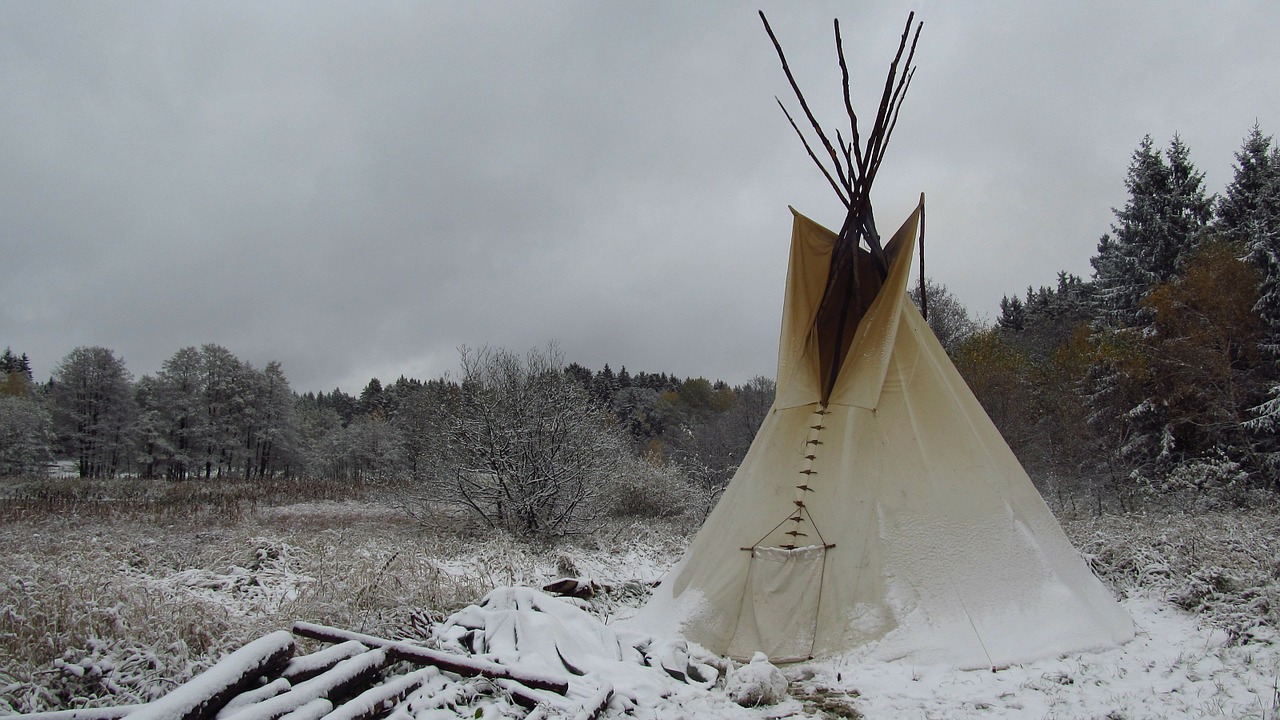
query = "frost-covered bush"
{"x": 524, "y": 448}
{"x": 116, "y": 609}
{"x": 1221, "y": 565}
{"x": 646, "y": 490}
{"x": 26, "y": 436}
{"x": 1205, "y": 483}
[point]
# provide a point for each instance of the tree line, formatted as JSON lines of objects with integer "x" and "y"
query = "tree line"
{"x": 1161, "y": 373}
{"x": 505, "y": 427}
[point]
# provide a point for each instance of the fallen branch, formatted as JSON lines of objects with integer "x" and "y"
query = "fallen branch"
{"x": 456, "y": 664}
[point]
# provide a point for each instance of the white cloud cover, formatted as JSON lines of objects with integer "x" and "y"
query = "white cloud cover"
{"x": 356, "y": 190}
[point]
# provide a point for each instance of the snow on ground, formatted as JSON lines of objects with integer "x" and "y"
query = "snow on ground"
{"x": 264, "y": 584}
{"x": 1174, "y": 668}
{"x": 81, "y": 586}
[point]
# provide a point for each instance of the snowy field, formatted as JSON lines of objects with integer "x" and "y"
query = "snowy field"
{"x": 113, "y": 605}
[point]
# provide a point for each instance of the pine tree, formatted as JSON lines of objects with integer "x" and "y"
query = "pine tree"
{"x": 1249, "y": 209}
{"x": 604, "y": 386}
{"x": 1161, "y": 223}
{"x": 15, "y": 374}
{"x": 1249, "y": 213}
{"x": 1013, "y": 316}
{"x": 373, "y": 399}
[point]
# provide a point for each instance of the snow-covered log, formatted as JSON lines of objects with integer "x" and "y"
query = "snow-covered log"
{"x": 206, "y": 693}
{"x": 596, "y": 705}
{"x": 255, "y": 695}
{"x": 375, "y": 700}
{"x": 456, "y": 664}
{"x": 530, "y": 698}
{"x": 338, "y": 682}
{"x": 305, "y": 667}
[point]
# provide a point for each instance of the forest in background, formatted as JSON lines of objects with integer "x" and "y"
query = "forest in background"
{"x": 1157, "y": 378}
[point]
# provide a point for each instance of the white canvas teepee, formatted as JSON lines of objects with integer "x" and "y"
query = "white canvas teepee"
{"x": 880, "y": 509}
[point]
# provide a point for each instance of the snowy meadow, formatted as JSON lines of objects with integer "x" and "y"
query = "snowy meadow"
{"x": 113, "y": 594}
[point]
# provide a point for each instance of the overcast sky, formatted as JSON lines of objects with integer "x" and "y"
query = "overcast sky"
{"x": 357, "y": 189}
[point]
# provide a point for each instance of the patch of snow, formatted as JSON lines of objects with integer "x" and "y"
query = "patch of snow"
{"x": 1174, "y": 667}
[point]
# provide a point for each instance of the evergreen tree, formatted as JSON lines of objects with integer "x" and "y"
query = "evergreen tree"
{"x": 579, "y": 374}
{"x": 1161, "y": 223}
{"x": 373, "y": 400}
{"x": 15, "y": 374}
{"x": 1249, "y": 209}
{"x": 604, "y": 386}
{"x": 1249, "y": 213}
{"x": 1013, "y": 316}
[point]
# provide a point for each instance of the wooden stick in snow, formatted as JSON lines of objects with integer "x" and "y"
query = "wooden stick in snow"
{"x": 456, "y": 664}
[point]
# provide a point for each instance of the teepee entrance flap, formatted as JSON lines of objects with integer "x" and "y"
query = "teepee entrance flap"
{"x": 780, "y": 603}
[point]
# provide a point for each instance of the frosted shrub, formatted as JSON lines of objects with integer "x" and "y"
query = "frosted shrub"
{"x": 1207, "y": 482}
{"x": 524, "y": 449}
{"x": 646, "y": 490}
{"x": 1219, "y": 565}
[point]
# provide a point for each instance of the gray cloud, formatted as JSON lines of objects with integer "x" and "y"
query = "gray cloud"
{"x": 356, "y": 190}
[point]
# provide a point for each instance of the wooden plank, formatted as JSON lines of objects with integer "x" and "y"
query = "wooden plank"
{"x": 375, "y": 701}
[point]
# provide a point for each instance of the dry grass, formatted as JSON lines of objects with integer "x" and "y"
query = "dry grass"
{"x": 112, "y": 593}
{"x": 104, "y": 600}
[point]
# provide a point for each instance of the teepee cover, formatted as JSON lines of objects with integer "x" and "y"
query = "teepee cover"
{"x": 892, "y": 516}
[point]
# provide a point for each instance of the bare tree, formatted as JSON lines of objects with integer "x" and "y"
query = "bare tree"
{"x": 94, "y": 410}
{"x": 948, "y": 317}
{"x": 524, "y": 448}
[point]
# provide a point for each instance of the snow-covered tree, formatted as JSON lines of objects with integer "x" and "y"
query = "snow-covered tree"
{"x": 526, "y": 449}
{"x": 94, "y": 410}
{"x": 207, "y": 413}
{"x": 1249, "y": 209}
{"x": 26, "y": 435}
{"x": 1249, "y": 213}
{"x": 1162, "y": 221}
{"x": 948, "y": 317}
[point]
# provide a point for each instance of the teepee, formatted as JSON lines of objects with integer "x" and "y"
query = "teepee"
{"x": 878, "y": 509}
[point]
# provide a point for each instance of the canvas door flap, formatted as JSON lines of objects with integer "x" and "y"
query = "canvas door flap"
{"x": 863, "y": 371}
{"x": 780, "y": 608}
{"x": 799, "y": 377}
